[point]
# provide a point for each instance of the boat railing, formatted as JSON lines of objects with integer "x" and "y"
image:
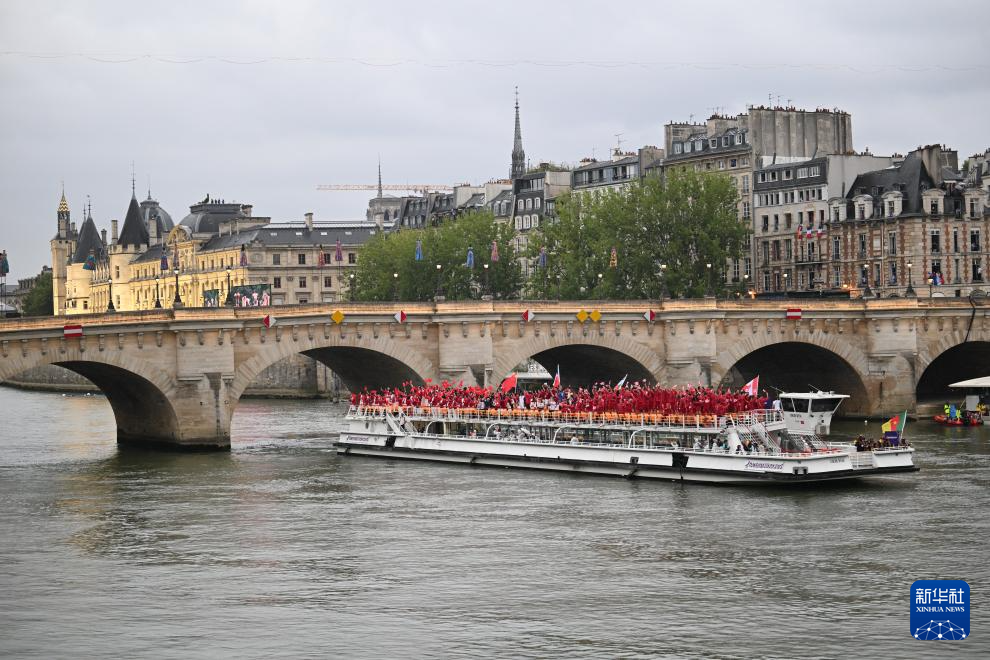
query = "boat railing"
{"x": 652, "y": 420}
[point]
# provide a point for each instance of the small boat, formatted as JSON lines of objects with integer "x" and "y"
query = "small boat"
{"x": 810, "y": 412}
{"x": 754, "y": 447}
{"x": 973, "y": 419}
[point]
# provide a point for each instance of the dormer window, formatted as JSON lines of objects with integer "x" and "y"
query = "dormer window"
{"x": 739, "y": 138}
{"x": 713, "y": 143}
{"x": 725, "y": 141}
{"x": 678, "y": 147}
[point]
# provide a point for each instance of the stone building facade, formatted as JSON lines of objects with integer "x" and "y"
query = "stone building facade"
{"x": 917, "y": 228}
{"x": 217, "y": 246}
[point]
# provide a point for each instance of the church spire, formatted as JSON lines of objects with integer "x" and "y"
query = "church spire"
{"x": 518, "y": 155}
{"x": 379, "y": 177}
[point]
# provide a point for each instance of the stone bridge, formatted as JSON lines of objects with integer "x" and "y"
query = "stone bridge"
{"x": 174, "y": 377}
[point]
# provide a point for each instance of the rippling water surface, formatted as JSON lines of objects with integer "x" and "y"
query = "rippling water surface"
{"x": 282, "y": 549}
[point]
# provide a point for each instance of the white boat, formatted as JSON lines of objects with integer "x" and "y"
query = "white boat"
{"x": 746, "y": 448}
{"x": 810, "y": 412}
{"x": 977, "y": 395}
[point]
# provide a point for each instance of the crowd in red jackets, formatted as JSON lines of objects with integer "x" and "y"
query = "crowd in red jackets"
{"x": 637, "y": 397}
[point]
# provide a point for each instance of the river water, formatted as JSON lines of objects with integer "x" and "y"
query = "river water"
{"x": 282, "y": 549}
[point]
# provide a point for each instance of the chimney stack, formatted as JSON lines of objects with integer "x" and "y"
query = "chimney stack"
{"x": 309, "y": 222}
{"x": 103, "y": 235}
{"x": 113, "y": 230}
{"x": 152, "y": 230}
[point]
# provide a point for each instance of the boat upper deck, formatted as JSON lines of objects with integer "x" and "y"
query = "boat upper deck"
{"x": 771, "y": 420}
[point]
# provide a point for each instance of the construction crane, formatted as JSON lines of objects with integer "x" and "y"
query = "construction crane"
{"x": 415, "y": 187}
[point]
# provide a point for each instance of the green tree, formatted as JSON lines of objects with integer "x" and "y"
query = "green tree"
{"x": 387, "y": 268}
{"x": 39, "y": 300}
{"x": 684, "y": 221}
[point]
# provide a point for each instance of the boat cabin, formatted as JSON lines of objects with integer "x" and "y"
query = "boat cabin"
{"x": 809, "y": 412}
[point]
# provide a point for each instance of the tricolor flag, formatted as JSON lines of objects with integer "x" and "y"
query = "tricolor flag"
{"x": 4, "y": 264}
{"x": 649, "y": 315}
{"x": 243, "y": 256}
{"x": 752, "y": 387}
{"x": 339, "y": 253}
{"x": 268, "y": 321}
{"x": 821, "y": 231}
{"x": 527, "y": 316}
{"x": 510, "y": 382}
{"x": 90, "y": 263}
{"x": 622, "y": 382}
{"x": 400, "y": 316}
{"x": 419, "y": 250}
{"x": 556, "y": 377}
{"x": 72, "y": 331}
{"x": 893, "y": 429}
{"x": 810, "y": 233}
{"x": 494, "y": 252}
{"x": 793, "y": 314}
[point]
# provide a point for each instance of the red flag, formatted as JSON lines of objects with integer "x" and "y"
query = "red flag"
{"x": 268, "y": 321}
{"x": 556, "y": 378}
{"x": 510, "y": 382}
{"x": 752, "y": 387}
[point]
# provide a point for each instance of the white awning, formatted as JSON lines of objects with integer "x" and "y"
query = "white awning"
{"x": 973, "y": 382}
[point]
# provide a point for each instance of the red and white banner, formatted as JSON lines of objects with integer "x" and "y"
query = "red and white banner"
{"x": 510, "y": 382}
{"x": 269, "y": 320}
{"x": 528, "y": 316}
{"x": 794, "y": 314}
{"x": 70, "y": 331}
{"x": 752, "y": 387}
{"x": 649, "y": 315}
{"x": 400, "y": 317}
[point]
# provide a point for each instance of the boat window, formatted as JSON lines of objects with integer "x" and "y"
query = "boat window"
{"x": 824, "y": 405}
{"x": 787, "y": 404}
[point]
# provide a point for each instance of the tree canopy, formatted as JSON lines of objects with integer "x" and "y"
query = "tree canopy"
{"x": 39, "y": 300}
{"x": 388, "y": 269}
{"x": 683, "y": 221}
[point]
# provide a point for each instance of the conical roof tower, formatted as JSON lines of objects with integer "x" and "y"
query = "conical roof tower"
{"x": 518, "y": 155}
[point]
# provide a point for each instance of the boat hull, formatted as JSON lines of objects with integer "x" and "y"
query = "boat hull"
{"x": 684, "y": 465}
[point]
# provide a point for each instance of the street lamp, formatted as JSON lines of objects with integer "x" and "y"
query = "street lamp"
{"x": 110, "y": 307}
{"x": 177, "y": 301}
{"x": 708, "y": 280}
{"x": 439, "y": 280}
{"x": 909, "y": 292}
{"x": 229, "y": 300}
{"x": 786, "y": 275}
{"x": 351, "y": 286}
{"x": 395, "y": 286}
{"x": 486, "y": 278}
{"x": 931, "y": 281}
{"x": 598, "y": 289}
{"x": 158, "y": 300}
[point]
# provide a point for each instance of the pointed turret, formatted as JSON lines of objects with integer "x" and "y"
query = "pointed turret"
{"x": 518, "y": 155}
{"x": 89, "y": 242}
{"x": 135, "y": 231}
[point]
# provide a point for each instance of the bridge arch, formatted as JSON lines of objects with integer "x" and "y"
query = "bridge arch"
{"x": 953, "y": 357}
{"x": 139, "y": 393}
{"x": 372, "y": 362}
{"x": 796, "y": 363}
{"x": 582, "y": 360}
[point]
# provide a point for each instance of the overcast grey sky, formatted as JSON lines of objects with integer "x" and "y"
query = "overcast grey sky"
{"x": 313, "y": 92}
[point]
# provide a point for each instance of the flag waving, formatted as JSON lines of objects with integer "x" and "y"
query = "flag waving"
{"x": 470, "y": 258}
{"x": 4, "y": 264}
{"x": 494, "y": 252}
{"x": 621, "y": 382}
{"x": 752, "y": 387}
{"x": 419, "y": 250}
{"x": 510, "y": 382}
{"x": 556, "y": 378}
